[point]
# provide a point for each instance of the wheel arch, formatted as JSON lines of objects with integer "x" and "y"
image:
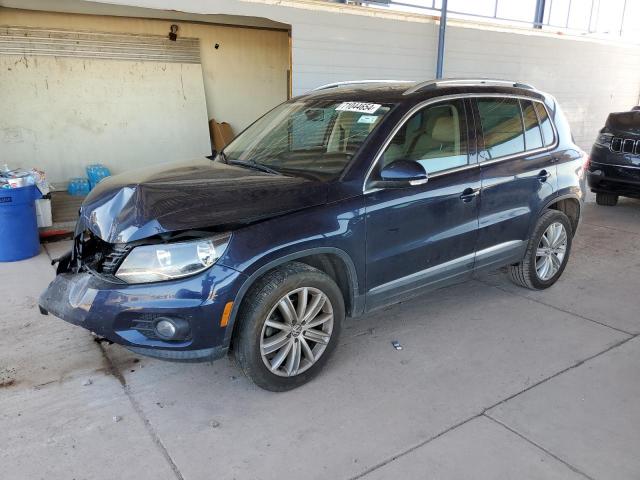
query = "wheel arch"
{"x": 570, "y": 205}
{"x": 333, "y": 261}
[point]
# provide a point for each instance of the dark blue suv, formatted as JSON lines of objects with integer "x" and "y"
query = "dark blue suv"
{"x": 352, "y": 197}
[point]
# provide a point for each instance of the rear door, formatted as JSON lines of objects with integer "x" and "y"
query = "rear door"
{"x": 424, "y": 236}
{"x": 518, "y": 175}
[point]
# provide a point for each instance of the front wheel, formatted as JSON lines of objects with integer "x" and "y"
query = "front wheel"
{"x": 289, "y": 326}
{"x": 547, "y": 252}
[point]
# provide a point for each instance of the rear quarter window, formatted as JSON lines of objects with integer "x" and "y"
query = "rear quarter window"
{"x": 545, "y": 124}
{"x": 532, "y": 132}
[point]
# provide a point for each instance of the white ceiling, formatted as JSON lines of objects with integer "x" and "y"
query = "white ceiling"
{"x": 96, "y": 8}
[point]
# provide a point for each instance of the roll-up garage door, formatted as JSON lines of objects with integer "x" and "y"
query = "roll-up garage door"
{"x": 73, "y": 98}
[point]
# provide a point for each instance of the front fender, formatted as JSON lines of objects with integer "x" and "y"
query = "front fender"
{"x": 334, "y": 229}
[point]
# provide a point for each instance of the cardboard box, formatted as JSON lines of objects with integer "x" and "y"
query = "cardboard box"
{"x": 221, "y": 134}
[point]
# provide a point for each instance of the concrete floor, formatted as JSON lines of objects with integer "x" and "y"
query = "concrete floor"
{"x": 493, "y": 382}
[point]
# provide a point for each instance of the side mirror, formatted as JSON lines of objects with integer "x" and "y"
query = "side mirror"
{"x": 401, "y": 174}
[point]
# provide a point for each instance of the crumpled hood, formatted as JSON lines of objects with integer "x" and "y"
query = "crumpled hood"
{"x": 191, "y": 195}
{"x": 624, "y": 123}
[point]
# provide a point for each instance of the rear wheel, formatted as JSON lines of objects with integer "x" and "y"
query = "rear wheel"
{"x": 547, "y": 252}
{"x": 289, "y": 326}
{"x": 606, "y": 199}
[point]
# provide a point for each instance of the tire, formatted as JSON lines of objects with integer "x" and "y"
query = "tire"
{"x": 606, "y": 199}
{"x": 255, "y": 339}
{"x": 526, "y": 273}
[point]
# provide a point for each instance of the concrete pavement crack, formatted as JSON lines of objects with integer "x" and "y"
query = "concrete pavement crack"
{"x": 540, "y": 447}
{"x": 485, "y": 410}
{"x": 413, "y": 448}
{"x": 570, "y": 367}
{"x": 554, "y": 307}
{"x": 113, "y": 370}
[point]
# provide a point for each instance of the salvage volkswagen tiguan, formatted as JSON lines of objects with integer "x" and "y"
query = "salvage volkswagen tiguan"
{"x": 349, "y": 198}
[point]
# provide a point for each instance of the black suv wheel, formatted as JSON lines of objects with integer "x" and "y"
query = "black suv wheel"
{"x": 606, "y": 199}
{"x": 289, "y": 325}
{"x": 547, "y": 252}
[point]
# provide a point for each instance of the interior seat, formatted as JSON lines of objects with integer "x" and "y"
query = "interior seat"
{"x": 442, "y": 139}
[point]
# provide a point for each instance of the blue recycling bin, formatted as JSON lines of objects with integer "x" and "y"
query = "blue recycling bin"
{"x": 18, "y": 223}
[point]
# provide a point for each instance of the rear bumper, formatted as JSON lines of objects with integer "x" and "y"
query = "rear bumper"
{"x": 124, "y": 314}
{"x": 617, "y": 179}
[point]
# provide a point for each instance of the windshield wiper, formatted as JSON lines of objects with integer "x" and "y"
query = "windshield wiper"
{"x": 254, "y": 165}
{"x": 222, "y": 155}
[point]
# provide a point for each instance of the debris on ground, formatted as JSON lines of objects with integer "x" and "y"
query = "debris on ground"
{"x": 214, "y": 424}
{"x": 7, "y": 376}
{"x": 87, "y": 382}
{"x": 396, "y": 345}
{"x": 116, "y": 418}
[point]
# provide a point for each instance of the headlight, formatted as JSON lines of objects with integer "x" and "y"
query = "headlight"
{"x": 167, "y": 261}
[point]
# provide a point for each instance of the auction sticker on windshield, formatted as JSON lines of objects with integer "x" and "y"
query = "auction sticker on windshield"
{"x": 370, "y": 119}
{"x": 359, "y": 107}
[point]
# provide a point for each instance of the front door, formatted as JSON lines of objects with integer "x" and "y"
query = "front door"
{"x": 424, "y": 236}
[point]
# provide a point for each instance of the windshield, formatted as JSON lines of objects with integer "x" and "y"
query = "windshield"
{"x": 313, "y": 137}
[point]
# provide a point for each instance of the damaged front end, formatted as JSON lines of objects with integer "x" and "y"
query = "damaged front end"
{"x": 175, "y": 319}
{"x": 92, "y": 255}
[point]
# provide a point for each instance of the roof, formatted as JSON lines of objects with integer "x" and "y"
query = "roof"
{"x": 395, "y": 91}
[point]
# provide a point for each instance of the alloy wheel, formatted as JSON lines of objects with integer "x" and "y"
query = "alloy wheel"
{"x": 551, "y": 251}
{"x": 296, "y": 332}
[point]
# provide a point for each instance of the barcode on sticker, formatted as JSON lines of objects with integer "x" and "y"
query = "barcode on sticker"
{"x": 358, "y": 107}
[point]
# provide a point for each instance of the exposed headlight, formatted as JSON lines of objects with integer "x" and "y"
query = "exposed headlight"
{"x": 167, "y": 261}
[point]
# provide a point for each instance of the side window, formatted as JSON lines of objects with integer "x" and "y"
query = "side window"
{"x": 532, "y": 133}
{"x": 436, "y": 137}
{"x": 545, "y": 124}
{"x": 501, "y": 121}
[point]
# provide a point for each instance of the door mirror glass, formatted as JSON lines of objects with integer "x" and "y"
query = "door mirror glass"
{"x": 401, "y": 174}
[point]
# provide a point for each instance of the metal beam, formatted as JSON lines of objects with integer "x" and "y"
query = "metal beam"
{"x": 441, "y": 35}
{"x": 538, "y": 18}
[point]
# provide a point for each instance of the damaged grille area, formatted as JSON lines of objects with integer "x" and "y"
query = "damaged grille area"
{"x": 97, "y": 256}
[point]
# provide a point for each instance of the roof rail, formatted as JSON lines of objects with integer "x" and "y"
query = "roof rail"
{"x": 356, "y": 82}
{"x": 465, "y": 81}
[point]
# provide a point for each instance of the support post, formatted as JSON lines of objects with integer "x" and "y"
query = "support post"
{"x": 441, "y": 34}
{"x": 538, "y": 19}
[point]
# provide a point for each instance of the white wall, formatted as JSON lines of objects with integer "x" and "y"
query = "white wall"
{"x": 589, "y": 79}
{"x": 62, "y": 114}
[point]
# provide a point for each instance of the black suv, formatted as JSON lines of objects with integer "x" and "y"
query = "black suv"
{"x": 335, "y": 203}
{"x": 614, "y": 164}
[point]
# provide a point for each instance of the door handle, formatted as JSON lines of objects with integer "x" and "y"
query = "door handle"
{"x": 543, "y": 175}
{"x": 469, "y": 194}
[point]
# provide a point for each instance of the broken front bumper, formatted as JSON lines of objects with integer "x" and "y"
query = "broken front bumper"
{"x": 125, "y": 314}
